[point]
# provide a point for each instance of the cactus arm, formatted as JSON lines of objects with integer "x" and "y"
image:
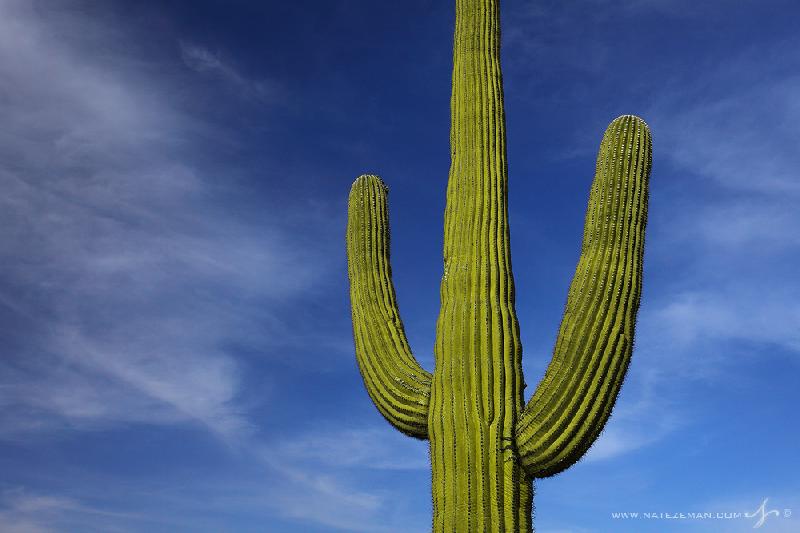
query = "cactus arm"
{"x": 593, "y": 349}
{"x": 397, "y": 384}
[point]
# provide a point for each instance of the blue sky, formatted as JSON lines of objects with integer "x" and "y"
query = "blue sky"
{"x": 177, "y": 351}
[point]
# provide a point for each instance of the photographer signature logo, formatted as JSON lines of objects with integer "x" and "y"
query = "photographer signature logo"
{"x": 762, "y": 514}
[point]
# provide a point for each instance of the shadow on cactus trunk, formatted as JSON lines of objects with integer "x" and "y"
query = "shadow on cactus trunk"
{"x": 486, "y": 445}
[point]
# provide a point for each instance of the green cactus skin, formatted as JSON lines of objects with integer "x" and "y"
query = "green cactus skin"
{"x": 486, "y": 445}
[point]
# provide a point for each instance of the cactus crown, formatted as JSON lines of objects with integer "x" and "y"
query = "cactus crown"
{"x": 486, "y": 444}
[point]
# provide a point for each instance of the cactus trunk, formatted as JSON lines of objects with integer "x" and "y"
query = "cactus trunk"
{"x": 477, "y": 389}
{"x": 486, "y": 445}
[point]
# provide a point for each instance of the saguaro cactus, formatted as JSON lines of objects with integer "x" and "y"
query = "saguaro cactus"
{"x": 486, "y": 445}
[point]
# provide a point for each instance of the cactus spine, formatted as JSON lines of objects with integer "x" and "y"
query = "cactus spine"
{"x": 486, "y": 445}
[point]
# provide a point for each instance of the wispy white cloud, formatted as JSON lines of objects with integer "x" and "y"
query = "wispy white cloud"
{"x": 686, "y": 338}
{"x": 754, "y": 224}
{"x": 203, "y": 61}
{"x": 734, "y": 131}
{"x": 24, "y": 511}
{"x": 739, "y": 136}
{"x": 271, "y": 490}
{"x": 124, "y": 271}
{"x": 325, "y": 498}
{"x": 321, "y": 477}
{"x": 640, "y": 418}
{"x": 756, "y": 317}
{"x": 129, "y": 278}
{"x": 315, "y": 497}
{"x": 370, "y": 448}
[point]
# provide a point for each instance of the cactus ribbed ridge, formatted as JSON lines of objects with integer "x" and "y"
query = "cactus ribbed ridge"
{"x": 486, "y": 445}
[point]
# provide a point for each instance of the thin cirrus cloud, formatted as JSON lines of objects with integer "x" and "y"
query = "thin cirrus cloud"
{"x": 322, "y": 477}
{"x": 337, "y": 497}
{"x": 731, "y": 140}
{"x": 755, "y": 153}
{"x": 115, "y": 252}
{"x": 203, "y": 61}
{"x": 368, "y": 448}
{"x": 23, "y": 511}
{"x": 294, "y": 495}
{"x": 133, "y": 278}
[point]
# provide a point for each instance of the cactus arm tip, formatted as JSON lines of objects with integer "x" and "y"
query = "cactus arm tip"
{"x": 593, "y": 349}
{"x": 397, "y": 384}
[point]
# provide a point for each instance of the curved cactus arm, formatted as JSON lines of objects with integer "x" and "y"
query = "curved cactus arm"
{"x": 574, "y": 400}
{"x": 397, "y": 384}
